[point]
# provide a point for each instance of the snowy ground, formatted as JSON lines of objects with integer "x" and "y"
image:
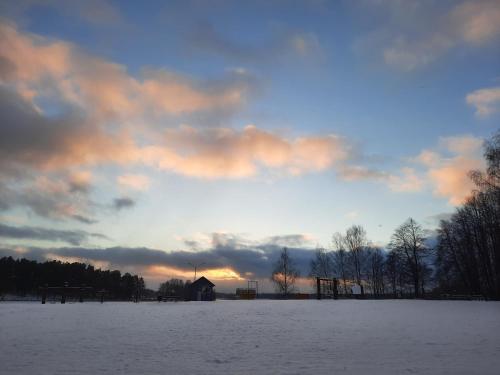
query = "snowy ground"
{"x": 251, "y": 337}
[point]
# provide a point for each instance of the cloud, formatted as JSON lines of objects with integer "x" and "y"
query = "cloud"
{"x": 47, "y": 156}
{"x": 228, "y": 153}
{"x": 100, "y": 12}
{"x": 358, "y": 172}
{"x": 436, "y": 219}
{"x": 476, "y": 22}
{"x": 465, "y": 145}
{"x": 28, "y": 137}
{"x": 352, "y": 215}
{"x": 54, "y": 199}
{"x": 409, "y": 55}
{"x": 290, "y": 240}
{"x": 95, "y": 12}
{"x": 305, "y": 44}
{"x": 41, "y": 156}
{"x": 281, "y": 44}
{"x": 67, "y": 141}
{"x": 33, "y": 142}
{"x": 451, "y": 178}
{"x": 447, "y": 170}
{"x": 39, "y": 67}
{"x": 408, "y": 181}
{"x": 122, "y": 203}
{"x": 134, "y": 181}
{"x": 90, "y": 98}
{"x": 83, "y": 219}
{"x": 486, "y": 101}
{"x": 80, "y": 181}
{"x": 73, "y": 237}
{"x": 229, "y": 252}
{"x": 87, "y": 97}
{"x": 418, "y": 33}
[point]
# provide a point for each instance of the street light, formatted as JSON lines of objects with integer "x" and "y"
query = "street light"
{"x": 195, "y": 267}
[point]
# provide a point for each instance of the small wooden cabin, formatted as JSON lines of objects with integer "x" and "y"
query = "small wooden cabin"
{"x": 201, "y": 290}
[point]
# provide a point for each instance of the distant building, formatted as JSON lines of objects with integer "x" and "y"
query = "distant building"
{"x": 201, "y": 290}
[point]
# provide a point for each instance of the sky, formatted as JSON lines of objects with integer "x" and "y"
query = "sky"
{"x": 151, "y": 136}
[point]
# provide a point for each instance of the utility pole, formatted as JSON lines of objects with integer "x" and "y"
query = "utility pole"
{"x": 196, "y": 266}
{"x": 285, "y": 264}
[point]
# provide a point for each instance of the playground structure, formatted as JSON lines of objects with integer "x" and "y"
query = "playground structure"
{"x": 250, "y": 292}
{"x": 68, "y": 291}
{"x": 327, "y": 288}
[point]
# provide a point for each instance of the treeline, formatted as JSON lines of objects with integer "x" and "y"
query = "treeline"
{"x": 468, "y": 250}
{"x": 22, "y": 277}
{"x": 174, "y": 287}
{"x": 401, "y": 270}
{"x": 465, "y": 260}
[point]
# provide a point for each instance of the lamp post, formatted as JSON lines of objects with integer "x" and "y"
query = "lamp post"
{"x": 196, "y": 266}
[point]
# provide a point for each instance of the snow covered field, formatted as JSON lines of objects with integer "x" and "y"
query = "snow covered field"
{"x": 251, "y": 337}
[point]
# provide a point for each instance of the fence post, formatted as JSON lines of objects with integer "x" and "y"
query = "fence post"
{"x": 318, "y": 288}
{"x": 63, "y": 296}
{"x": 102, "y": 295}
{"x": 44, "y": 295}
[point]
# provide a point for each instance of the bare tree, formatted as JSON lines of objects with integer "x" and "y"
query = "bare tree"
{"x": 394, "y": 272}
{"x": 468, "y": 250}
{"x": 355, "y": 242}
{"x": 340, "y": 259}
{"x": 322, "y": 264}
{"x": 409, "y": 240}
{"x": 284, "y": 274}
{"x": 374, "y": 269}
{"x": 172, "y": 287}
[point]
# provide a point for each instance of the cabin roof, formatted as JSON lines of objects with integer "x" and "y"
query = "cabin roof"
{"x": 202, "y": 281}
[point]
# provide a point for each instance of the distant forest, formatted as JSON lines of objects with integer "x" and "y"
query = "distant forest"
{"x": 22, "y": 276}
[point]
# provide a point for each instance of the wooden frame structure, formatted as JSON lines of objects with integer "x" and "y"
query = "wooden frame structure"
{"x": 333, "y": 286}
{"x": 65, "y": 290}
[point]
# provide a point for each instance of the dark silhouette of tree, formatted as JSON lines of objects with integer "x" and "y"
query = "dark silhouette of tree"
{"x": 395, "y": 272}
{"x": 375, "y": 270}
{"x": 340, "y": 260}
{"x": 408, "y": 240}
{"x": 22, "y": 276}
{"x": 172, "y": 287}
{"x": 322, "y": 264}
{"x": 355, "y": 243}
{"x": 468, "y": 249}
{"x": 284, "y": 274}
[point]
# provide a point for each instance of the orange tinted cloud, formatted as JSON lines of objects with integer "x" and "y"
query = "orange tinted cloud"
{"x": 467, "y": 23}
{"x": 38, "y": 66}
{"x": 224, "y": 152}
{"x": 134, "y": 181}
{"x": 408, "y": 181}
{"x": 486, "y": 101}
{"x": 477, "y": 21}
{"x": 449, "y": 174}
{"x": 53, "y": 144}
{"x": 451, "y": 179}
